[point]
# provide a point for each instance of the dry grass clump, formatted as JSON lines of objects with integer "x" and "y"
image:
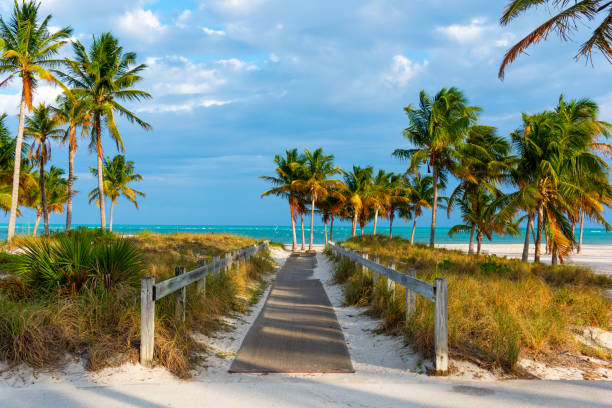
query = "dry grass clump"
{"x": 499, "y": 309}
{"x": 101, "y": 323}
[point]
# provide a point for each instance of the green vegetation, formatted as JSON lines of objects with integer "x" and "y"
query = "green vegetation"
{"x": 499, "y": 309}
{"x": 79, "y": 293}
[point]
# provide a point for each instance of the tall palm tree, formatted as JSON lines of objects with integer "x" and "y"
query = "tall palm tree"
{"x": 358, "y": 182}
{"x": 564, "y": 23}
{"x": 41, "y": 127}
{"x": 118, "y": 175}
{"x": 104, "y": 76}
{"x": 420, "y": 196}
{"x": 56, "y": 194}
{"x": 437, "y": 128}
{"x": 28, "y": 51}
{"x": 74, "y": 113}
{"x": 288, "y": 172}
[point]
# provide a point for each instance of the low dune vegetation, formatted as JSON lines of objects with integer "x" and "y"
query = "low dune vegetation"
{"x": 77, "y": 294}
{"x": 500, "y": 310}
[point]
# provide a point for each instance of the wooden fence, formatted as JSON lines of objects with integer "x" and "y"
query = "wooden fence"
{"x": 150, "y": 292}
{"x": 437, "y": 293}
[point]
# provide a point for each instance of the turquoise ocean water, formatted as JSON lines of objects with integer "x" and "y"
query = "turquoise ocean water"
{"x": 283, "y": 233}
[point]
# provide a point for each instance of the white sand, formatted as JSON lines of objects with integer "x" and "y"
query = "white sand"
{"x": 387, "y": 375}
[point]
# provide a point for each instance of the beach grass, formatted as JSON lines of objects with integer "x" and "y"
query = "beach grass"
{"x": 41, "y": 326}
{"x": 500, "y": 310}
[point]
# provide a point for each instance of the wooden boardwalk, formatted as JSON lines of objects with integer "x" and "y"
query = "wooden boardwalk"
{"x": 297, "y": 330}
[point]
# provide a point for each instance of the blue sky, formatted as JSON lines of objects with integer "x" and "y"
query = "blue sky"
{"x": 236, "y": 81}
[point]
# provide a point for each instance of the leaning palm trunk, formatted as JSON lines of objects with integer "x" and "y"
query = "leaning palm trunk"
{"x": 43, "y": 194}
{"x": 71, "y": 152}
{"x": 38, "y": 216}
{"x": 16, "y": 170}
{"x": 471, "y": 247}
{"x": 580, "y": 234}
{"x": 294, "y": 246}
{"x": 538, "y": 240}
{"x": 413, "y": 228}
{"x": 434, "y": 207}
{"x": 98, "y": 130}
{"x": 375, "y": 220}
{"x": 302, "y": 221}
{"x": 354, "y": 226}
{"x": 525, "y": 256}
{"x": 312, "y": 208}
{"x": 391, "y": 216}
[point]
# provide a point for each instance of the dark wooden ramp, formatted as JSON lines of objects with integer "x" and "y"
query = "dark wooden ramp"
{"x": 297, "y": 330}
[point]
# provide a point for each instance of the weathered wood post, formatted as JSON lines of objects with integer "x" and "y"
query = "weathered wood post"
{"x": 364, "y": 269}
{"x": 201, "y": 285}
{"x": 391, "y": 284}
{"x": 375, "y": 274}
{"x": 217, "y": 266}
{"x": 228, "y": 262}
{"x": 179, "y": 311}
{"x": 410, "y": 296}
{"x": 441, "y": 326}
{"x": 147, "y": 320}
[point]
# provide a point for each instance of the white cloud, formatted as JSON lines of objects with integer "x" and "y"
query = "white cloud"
{"x": 184, "y": 107}
{"x": 237, "y": 64}
{"x": 141, "y": 23}
{"x": 464, "y": 33}
{"x": 241, "y": 7}
{"x": 210, "y": 31}
{"x": 182, "y": 18}
{"x": 403, "y": 70}
{"x": 9, "y": 103}
{"x": 273, "y": 57}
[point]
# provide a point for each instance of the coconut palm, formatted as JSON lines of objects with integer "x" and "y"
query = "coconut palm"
{"x": 358, "y": 182}
{"x": 74, "y": 113}
{"x": 317, "y": 168}
{"x": 28, "y": 51}
{"x": 104, "y": 76}
{"x": 56, "y": 194}
{"x": 380, "y": 195}
{"x": 564, "y": 23}
{"x": 42, "y": 127}
{"x": 420, "y": 196}
{"x": 288, "y": 172}
{"x": 438, "y": 129}
{"x": 118, "y": 175}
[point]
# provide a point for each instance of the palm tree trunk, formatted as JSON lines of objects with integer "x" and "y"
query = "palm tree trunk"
{"x": 43, "y": 193}
{"x": 581, "y": 218}
{"x": 525, "y": 256}
{"x": 414, "y": 220}
{"x": 302, "y": 221}
{"x": 554, "y": 260}
{"x": 479, "y": 244}
{"x": 361, "y": 229}
{"x": 538, "y": 240}
{"x": 325, "y": 223}
{"x": 312, "y": 208}
{"x": 375, "y": 220}
{"x": 391, "y": 216}
{"x": 38, "y": 216}
{"x": 70, "y": 186}
{"x": 434, "y": 207}
{"x": 110, "y": 225}
{"x": 16, "y": 170}
{"x": 294, "y": 246}
{"x": 331, "y": 229}
{"x": 471, "y": 247}
{"x": 354, "y": 226}
{"x": 99, "y": 152}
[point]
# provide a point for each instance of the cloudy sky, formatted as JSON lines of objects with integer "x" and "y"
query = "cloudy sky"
{"x": 236, "y": 81}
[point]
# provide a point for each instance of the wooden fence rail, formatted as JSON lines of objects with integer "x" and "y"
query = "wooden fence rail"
{"x": 150, "y": 292}
{"x": 437, "y": 293}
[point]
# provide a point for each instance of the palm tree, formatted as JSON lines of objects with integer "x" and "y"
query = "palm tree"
{"x": 398, "y": 189}
{"x": 74, "y": 113}
{"x": 437, "y": 128}
{"x": 563, "y": 23}
{"x": 358, "y": 182}
{"x": 118, "y": 175}
{"x": 56, "y": 189}
{"x": 420, "y": 196}
{"x": 381, "y": 194}
{"x": 288, "y": 172}
{"x": 103, "y": 77}
{"x": 317, "y": 168}
{"x": 42, "y": 128}
{"x": 28, "y": 49}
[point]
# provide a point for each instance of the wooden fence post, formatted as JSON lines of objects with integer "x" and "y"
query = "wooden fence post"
{"x": 201, "y": 285}
{"x": 179, "y": 311}
{"x": 147, "y": 320}
{"x": 441, "y": 326}
{"x": 410, "y": 297}
{"x": 375, "y": 274}
{"x": 391, "y": 284}
{"x": 364, "y": 269}
{"x": 217, "y": 267}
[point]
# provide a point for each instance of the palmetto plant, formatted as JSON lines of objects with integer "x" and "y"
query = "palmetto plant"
{"x": 41, "y": 127}
{"x": 118, "y": 175}
{"x": 74, "y": 113}
{"x": 564, "y": 23}
{"x": 437, "y": 129}
{"x": 28, "y": 51}
{"x": 103, "y": 77}
{"x": 288, "y": 172}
